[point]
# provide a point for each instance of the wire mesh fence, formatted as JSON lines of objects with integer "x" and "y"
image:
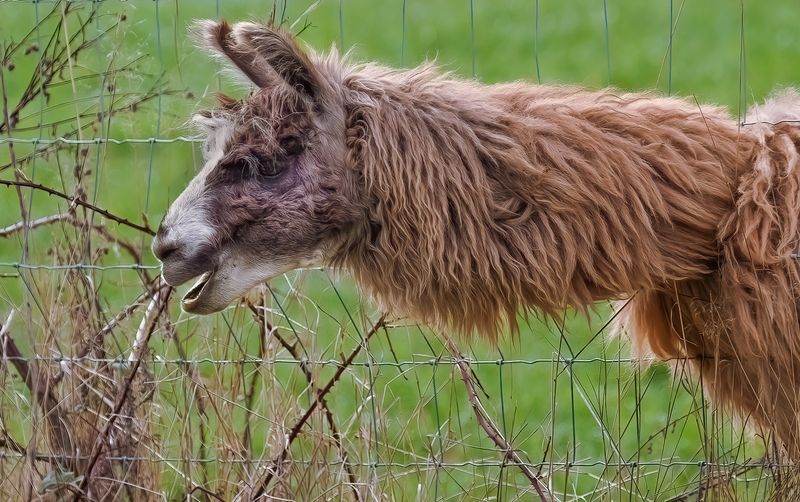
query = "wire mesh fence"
{"x": 303, "y": 390}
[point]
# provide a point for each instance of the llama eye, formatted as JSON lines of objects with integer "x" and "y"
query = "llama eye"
{"x": 270, "y": 168}
{"x": 292, "y": 145}
{"x": 237, "y": 166}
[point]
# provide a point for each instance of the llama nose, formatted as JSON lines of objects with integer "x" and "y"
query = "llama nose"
{"x": 164, "y": 246}
{"x": 163, "y": 252}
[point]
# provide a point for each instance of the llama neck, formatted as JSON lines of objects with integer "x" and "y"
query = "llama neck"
{"x": 485, "y": 198}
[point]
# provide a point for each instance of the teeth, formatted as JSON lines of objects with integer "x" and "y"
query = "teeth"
{"x": 193, "y": 293}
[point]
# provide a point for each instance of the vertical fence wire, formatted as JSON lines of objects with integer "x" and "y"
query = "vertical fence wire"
{"x": 403, "y": 35}
{"x": 536, "y": 41}
{"x": 669, "y": 48}
{"x": 472, "y": 36}
{"x": 608, "y": 44}
{"x": 160, "y": 56}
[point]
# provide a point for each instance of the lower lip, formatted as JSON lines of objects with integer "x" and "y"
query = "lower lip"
{"x": 198, "y": 288}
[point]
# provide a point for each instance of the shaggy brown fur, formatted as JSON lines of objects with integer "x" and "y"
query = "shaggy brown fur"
{"x": 457, "y": 203}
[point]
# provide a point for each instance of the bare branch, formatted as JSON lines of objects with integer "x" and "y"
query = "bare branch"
{"x": 80, "y": 202}
{"x": 145, "y": 327}
{"x": 45, "y": 220}
{"x": 74, "y": 221}
{"x": 489, "y": 426}
{"x": 124, "y": 314}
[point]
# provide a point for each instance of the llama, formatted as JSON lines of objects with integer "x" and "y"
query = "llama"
{"x": 458, "y": 204}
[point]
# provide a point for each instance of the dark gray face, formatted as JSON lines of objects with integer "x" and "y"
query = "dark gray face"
{"x": 271, "y": 195}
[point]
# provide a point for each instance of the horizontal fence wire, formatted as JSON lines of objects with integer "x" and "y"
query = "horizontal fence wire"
{"x": 51, "y": 2}
{"x": 321, "y": 362}
{"x": 442, "y": 361}
{"x": 99, "y": 141}
{"x": 91, "y": 266}
{"x": 488, "y": 463}
{"x": 201, "y": 139}
{"x": 79, "y": 266}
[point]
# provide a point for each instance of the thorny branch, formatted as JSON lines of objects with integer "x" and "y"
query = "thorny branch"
{"x": 488, "y": 425}
{"x": 265, "y": 328}
{"x": 80, "y": 202}
{"x": 321, "y": 393}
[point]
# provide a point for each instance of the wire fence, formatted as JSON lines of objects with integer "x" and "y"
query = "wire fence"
{"x": 302, "y": 390}
{"x": 98, "y": 141}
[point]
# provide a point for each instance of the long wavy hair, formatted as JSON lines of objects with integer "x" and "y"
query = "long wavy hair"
{"x": 492, "y": 198}
{"x": 459, "y": 204}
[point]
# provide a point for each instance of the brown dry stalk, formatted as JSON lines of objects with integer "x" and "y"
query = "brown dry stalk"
{"x": 265, "y": 328}
{"x": 80, "y": 202}
{"x": 489, "y": 426}
{"x": 59, "y": 64}
{"x": 110, "y": 325}
{"x": 56, "y": 58}
{"x": 298, "y": 426}
{"x": 39, "y": 386}
{"x": 157, "y": 307}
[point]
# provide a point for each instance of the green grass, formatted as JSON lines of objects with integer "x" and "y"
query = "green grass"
{"x": 402, "y": 407}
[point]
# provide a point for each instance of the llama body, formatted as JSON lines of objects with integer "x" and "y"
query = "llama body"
{"x": 458, "y": 204}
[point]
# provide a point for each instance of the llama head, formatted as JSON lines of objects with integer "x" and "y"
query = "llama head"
{"x": 273, "y": 192}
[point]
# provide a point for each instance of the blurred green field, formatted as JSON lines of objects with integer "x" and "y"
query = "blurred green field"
{"x": 567, "y": 396}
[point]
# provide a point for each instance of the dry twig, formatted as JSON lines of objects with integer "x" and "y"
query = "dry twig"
{"x": 489, "y": 426}
{"x": 21, "y": 225}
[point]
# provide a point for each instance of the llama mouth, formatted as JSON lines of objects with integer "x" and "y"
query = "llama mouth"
{"x": 191, "y": 297}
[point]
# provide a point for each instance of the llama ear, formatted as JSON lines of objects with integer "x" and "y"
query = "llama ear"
{"x": 218, "y": 38}
{"x": 279, "y": 50}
